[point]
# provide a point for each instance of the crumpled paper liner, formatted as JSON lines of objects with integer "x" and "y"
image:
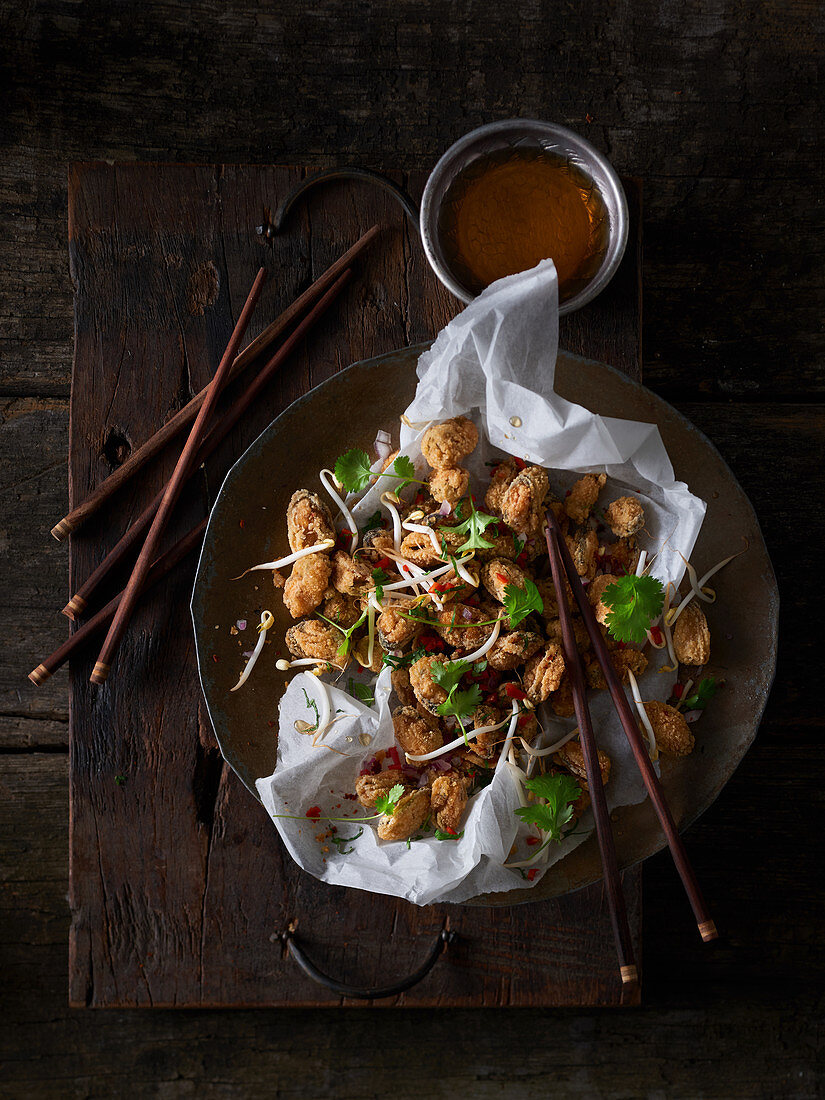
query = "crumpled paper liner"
{"x": 495, "y": 363}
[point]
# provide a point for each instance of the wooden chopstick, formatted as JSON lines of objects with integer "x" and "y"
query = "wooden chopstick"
{"x": 187, "y": 414}
{"x": 103, "y": 617}
{"x": 100, "y": 673}
{"x": 707, "y": 928}
{"x": 79, "y": 601}
{"x": 604, "y": 833}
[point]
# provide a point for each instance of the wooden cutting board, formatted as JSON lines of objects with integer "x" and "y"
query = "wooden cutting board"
{"x": 179, "y": 884}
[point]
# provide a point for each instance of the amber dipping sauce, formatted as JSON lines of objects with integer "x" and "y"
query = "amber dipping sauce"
{"x": 510, "y": 209}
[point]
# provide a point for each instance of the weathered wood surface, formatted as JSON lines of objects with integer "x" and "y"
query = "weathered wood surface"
{"x": 717, "y": 107}
{"x": 154, "y": 894}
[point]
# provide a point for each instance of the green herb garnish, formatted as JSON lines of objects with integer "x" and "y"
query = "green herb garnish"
{"x": 352, "y": 470}
{"x": 312, "y": 705}
{"x": 441, "y": 835}
{"x": 520, "y": 602}
{"x": 386, "y": 803}
{"x": 458, "y": 704}
{"x": 474, "y": 527}
{"x": 343, "y": 648}
{"x": 340, "y": 841}
{"x": 560, "y": 792}
{"x": 634, "y": 603}
{"x": 374, "y": 521}
{"x": 405, "y": 660}
{"x": 361, "y": 691}
{"x": 703, "y": 694}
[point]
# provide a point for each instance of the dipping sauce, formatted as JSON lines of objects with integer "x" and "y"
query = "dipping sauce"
{"x": 512, "y": 208}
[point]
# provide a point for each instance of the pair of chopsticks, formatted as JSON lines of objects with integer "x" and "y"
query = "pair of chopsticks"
{"x": 561, "y": 565}
{"x": 313, "y": 302}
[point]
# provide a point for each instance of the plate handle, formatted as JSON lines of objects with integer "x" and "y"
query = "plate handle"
{"x": 275, "y": 224}
{"x": 444, "y": 939}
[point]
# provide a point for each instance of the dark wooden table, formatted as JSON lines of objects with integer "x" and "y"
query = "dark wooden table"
{"x": 717, "y": 110}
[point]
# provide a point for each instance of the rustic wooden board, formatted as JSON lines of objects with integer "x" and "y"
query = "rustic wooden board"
{"x": 179, "y": 884}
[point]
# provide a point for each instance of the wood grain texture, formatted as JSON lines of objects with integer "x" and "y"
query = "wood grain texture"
{"x": 136, "y": 891}
{"x": 716, "y": 106}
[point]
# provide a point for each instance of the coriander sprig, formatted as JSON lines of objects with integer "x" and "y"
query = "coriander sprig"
{"x": 352, "y": 471}
{"x": 634, "y": 602}
{"x": 560, "y": 792}
{"x": 474, "y": 527}
{"x": 458, "y": 704}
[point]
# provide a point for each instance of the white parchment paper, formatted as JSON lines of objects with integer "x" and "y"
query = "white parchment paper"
{"x": 495, "y": 363}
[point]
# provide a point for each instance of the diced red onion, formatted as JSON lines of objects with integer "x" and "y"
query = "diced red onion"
{"x": 423, "y": 780}
{"x": 584, "y": 581}
{"x": 692, "y": 715}
{"x": 440, "y": 764}
{"x": 241, "y": 624}
{"x": 466, "y": 614}
{"x": 383, "y": 445}
{"x": 445, "y": 508}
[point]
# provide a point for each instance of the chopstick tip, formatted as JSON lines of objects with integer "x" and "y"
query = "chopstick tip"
{"x": 75, "y": 607}
{"x": 39, "y": 675}
{"x": 61, "y": 530}
{"x": 100, "y": 673}
{"x": 629, "y": 974}
{"x": 708, "y": 931}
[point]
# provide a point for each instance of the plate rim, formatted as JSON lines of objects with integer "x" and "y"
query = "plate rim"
{"x": 773, "y": 605}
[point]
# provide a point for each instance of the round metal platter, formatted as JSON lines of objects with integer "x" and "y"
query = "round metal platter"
{"x": 247, "y": 524}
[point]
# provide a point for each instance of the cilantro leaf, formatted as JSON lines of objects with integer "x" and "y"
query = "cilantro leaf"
{"x": 403, "y": 469}
{"x": 703, "y": 694}
{"x": 312, "y": 705}
{"x": 520, "y": 602}
{"x": 379, "y": 576}
{"x": 447, "y": 674}
{"x": 461, "y": 704}
{"x": 340, "y": 842}
{"x": 634, "y": 602}
{"x": 343, "y": 648}
{"x": 352, "y": 470}
{"x": 560, "y": 792}
{"x": 386, "y": 803}
{"x": 405, "y": 660}
{"x": 474, "y": 527}
{"x": 360, "y": 691}
{"x": 374, "y": 521}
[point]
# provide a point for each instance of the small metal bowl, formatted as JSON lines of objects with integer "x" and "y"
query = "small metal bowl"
{"x": 526, "y": 133}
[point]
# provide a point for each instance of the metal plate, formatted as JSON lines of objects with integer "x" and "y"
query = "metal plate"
{"x": 247, "y": 525}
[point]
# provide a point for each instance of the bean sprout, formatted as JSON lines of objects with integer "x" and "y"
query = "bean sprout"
{"x": 640, "y": 564}
{"x": 285, "y": 666}
{"x": 328, "y": 482}
{"x": 459, "y": 741}
{"x": 465, "y": 574}
{"x": 698, "y": 587}
{"x": 488, "y": 645}
{"x": 420, "y": 527}
{"x": 322, "y": 702}
{"x": 551, "y": 748}
{"x": 396, "y": 519}
{"x": 422, "y": 577}
{"x": 279, "y": 563}
{"x": 653, "y": 750}
{"x": 267, "y": 619}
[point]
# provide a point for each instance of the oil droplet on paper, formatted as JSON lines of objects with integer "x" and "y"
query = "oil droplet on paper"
{"x": 365, "y": 738}
{"x": 515, "y": 421}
